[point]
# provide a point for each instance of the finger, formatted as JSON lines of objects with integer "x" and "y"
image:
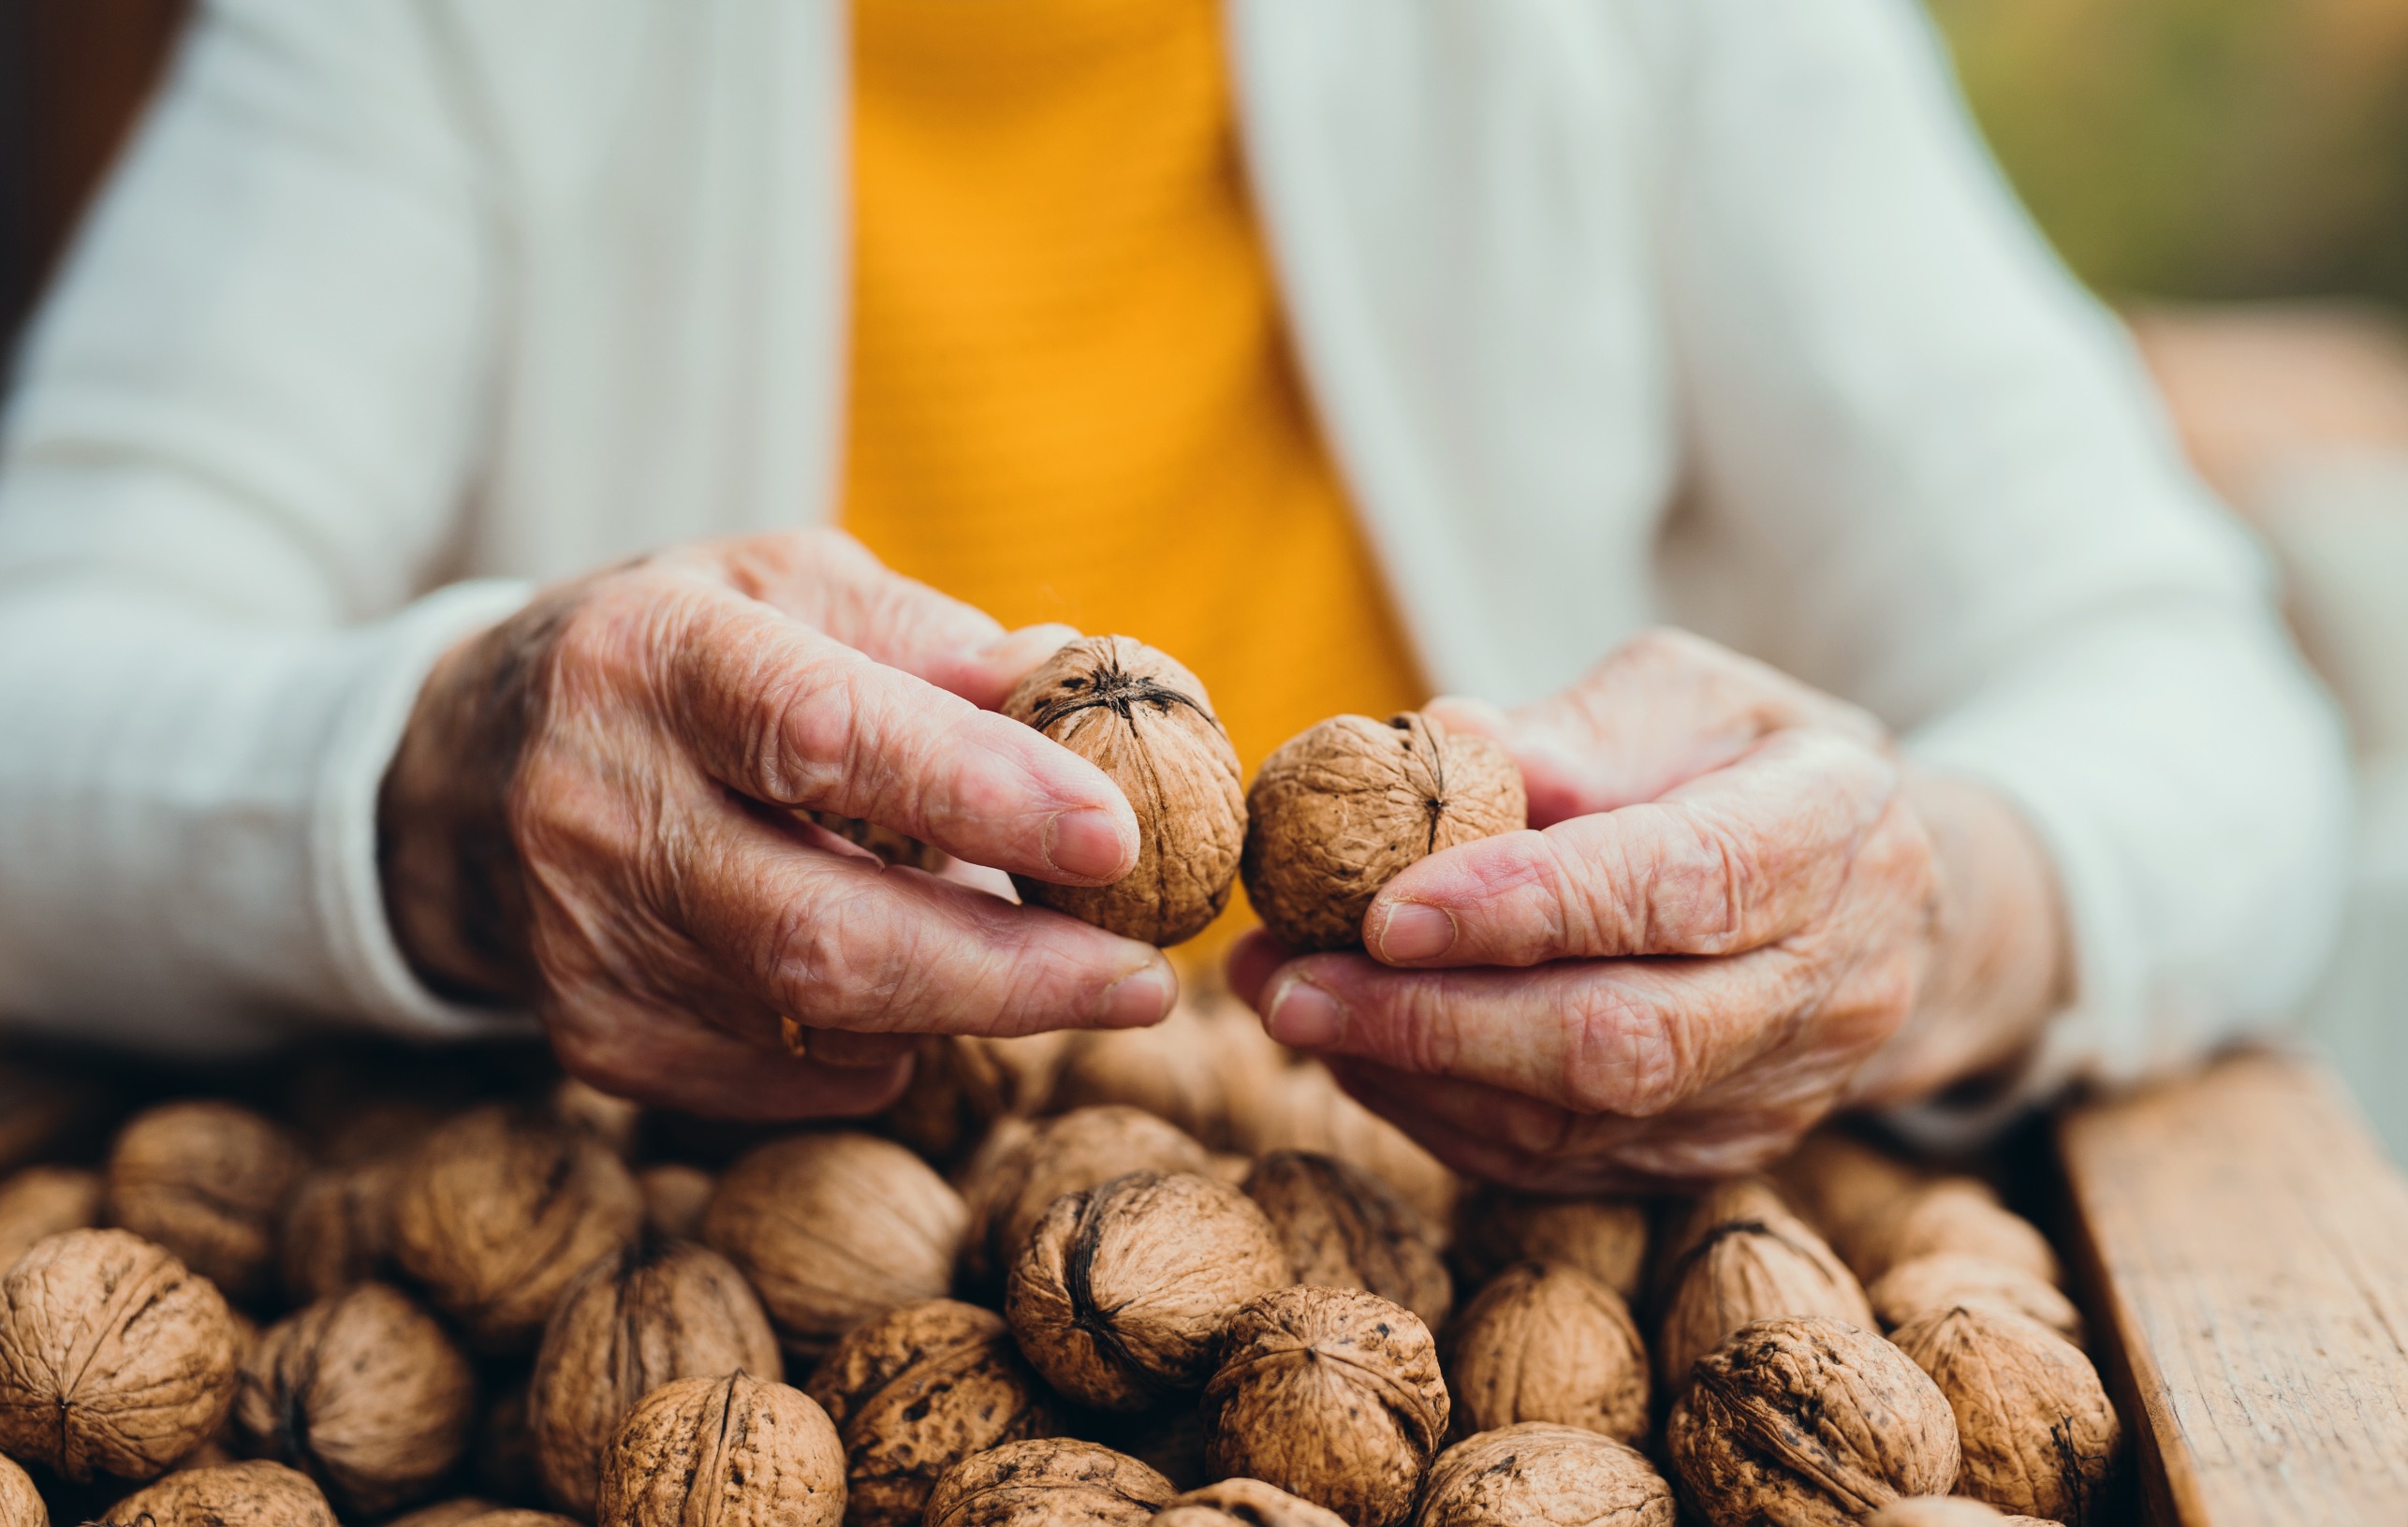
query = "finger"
{"x": 665, "y": 1060}
{"x": 836, "y": 942}
{"x": 1727, "y": 863}
{"x": 792, "y": 717}
{"x": 1252, "y": 961}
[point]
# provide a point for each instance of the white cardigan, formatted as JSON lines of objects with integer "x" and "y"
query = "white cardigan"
{"x": 397, "y": 293}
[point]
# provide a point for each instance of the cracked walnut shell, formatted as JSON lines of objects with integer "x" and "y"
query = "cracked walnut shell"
{"x": 113, "y": 1358}
{"x": 1047, "y": 1482}
{"x": 1809, "y": 1422}
{"x": 735, "y": 1451}
{"x": 363, "y": 1392}
{"x": 207, "y": 1181}
{"x": 1538, "y": 1475}
{"x": 832, "y": 1229}
{"x": 1331, "y": 1394}
{"x": 1343, "y": 1228}
{"x": 1119, "y": 1297}
{"x": 1144, "y": 720}
{"x": 917, "y": 1391}
{"x": 498, "y": 1211}
{"x": 656, "y": 1310}
{"x": 1244, "y": 1503}
{"x": 1742, "y": 1256}
{"x": 1548, "y": 1343}
{"x": 1340, "y": 808}
{"x": 2033, "y": 1421}
{"x": 253, "y": 1494}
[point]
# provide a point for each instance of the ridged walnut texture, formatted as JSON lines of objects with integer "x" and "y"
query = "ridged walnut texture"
{"x": 1536, "y": 1474}
{"x": 253, "y": 1494}
{"x": 2033, "y": 1419}
{"x": 1047, "y": 1482}
{"x": 207, "y": 1181}
{"x": 1015, "y": 1180}
{"x": 1343, "y": 1228}
{"x": 723, "y": 1452}
{"x": 1545, "y": 1343}
{"x": 1244, "y": 1503}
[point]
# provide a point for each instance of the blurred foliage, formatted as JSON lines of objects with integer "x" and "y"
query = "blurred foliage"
{"x": 2202, "y": 148}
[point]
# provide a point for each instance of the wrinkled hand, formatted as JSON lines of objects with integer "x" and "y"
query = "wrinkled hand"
{"x": 597, "y": 810}
{"x": 1732, "y": 900}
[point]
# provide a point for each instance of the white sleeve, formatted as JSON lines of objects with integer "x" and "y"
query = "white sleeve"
{"x": 1941, "y": 476}
{"x": 238, "y": 443}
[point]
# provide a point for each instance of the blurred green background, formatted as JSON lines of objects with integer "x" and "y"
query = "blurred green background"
{"x": 2202, "y": 149}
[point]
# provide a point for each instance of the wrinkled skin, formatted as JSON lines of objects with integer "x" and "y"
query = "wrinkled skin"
{"x": 1820, "y": 926}
{"x": 597, "y": 809}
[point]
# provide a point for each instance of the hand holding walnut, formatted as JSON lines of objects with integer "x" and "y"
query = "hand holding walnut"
{"x": 1736, "y": 910}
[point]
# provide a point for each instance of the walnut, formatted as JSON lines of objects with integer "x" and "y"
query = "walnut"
{"x": 613, "y": 1120}
{"x": 1809, "y": 1422}
{"x": 1332, "y": 1394}
{"x": 1341, "y": 807}
{"x": 1841, "y": 1186}
{"x": 675, "y": 1196}
{"x": 39, "y": 1202}
{"x": 1012, "y": 1185}
{"x": 2035, "y": 1423}
{"x": 255, "y": 1495}
{"x": 917, "y": 1391}
{"x": 453, "y": 1513}
{"x": 653, "y": 1311}
{"x": 1244, "y": 1503}
{"x": 514, "y": 1518}
{"x": 1301, "y": 1107}
{"x": 20, "y": 1504}
{"x": 1953, "y": 1214}
{"x": 1548, "y": 1343}
{"x": 1740, "y": 1258}
{"x": 735, "y": 1451}
{"x": 1142, "y": 719}
{"x": 1537, "y": 1472}
{"x": 1341, "y": 1228}
{"x": 364, "y": 1393}
{"x": 1047, "y": 1482}
{"x": 1605, "y": 1238}
{"x": 208, "y": 1181}
{"x": 962, "y": 1083}
{"x": 1119, "y": 1297}
{"x": 1199, "y": 1068}
{"x": 503, "y": 1458}
{"x": 499, "y": 1209}
{"x": 113, "y": 1359}
{"x": 832, "y": 1229}
{"x": 891, "y": 846}
{"x": 1945, "y": 1278}
{"x": 338, "y": 1229}
{"x": 1947, "y": 1511}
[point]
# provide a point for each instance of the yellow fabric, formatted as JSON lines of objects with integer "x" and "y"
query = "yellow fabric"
{"x": 1072, "y": 393}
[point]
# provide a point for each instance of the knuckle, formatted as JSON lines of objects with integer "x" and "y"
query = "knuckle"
{"x": 839, "y": 959}
{"x": 1621, "y": 1056}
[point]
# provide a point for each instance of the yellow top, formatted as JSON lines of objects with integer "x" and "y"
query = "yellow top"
{"x": 1072, "y": 392}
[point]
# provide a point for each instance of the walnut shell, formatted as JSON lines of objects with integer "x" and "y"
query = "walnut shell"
{"x": 1244, "y": 1503}
{"x": 735, "y": 1451}
{"x": 39, "y": 1202}
{"x": 453, "y": 1513}
{"x": 253, "y": 1494}
{"x": 1337, "y": 809}
{"x": 1841, "y": 1185}
{"x": 501, "y": 1460}
{"x": 1142, "y": 719}
{"x": 1011, "y": 1187}
{"x": 1538, "y": 1475}
{"x": 1301, "y": 1107}
{"x": 364, "y": 1393}
{"x": 1746, "y": 1258}
{"x": 1195, "y": 1068}
{"x": 1809, "y": 1422}
{"x": 675, "y": 1198}
{"x": 1953, "y": 1214}
{"x": 207, "y": 1181}
{"x": 1945, "y": 1278}
{"x": 1341, "y": 1228}
{"x": 961, "y": 1084}
{"x": 653, "y": 1311}
{"x": 615, "y": 1122}
{"x": 1947, "y": 1511}
{"x": 1047, "y": 1482}
{"x": 1548, "y": 1343}
{"x": 338, "y": 1229}
{"x": 1331, "y": 1394}
{"x": 1121, "y": 1296}
{"x": 499, "y": 1209}
{"x": 832, "y": 1229}
{"x": 917, "y": 1391}
{"x": 2033, "y": 1421}
{"x": 113, "y": 1359}
{"x": 20, "y": 1504}
{"x": 1605, "y": 1238}
{"x": 515, "y": 1517}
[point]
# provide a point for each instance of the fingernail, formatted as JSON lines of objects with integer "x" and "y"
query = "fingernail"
{"x": 1416, "y": 930}
{"x": 1084, "y": 842}
{"x": 1305, "y": 1016}
{"x": 1135, "y": 1001}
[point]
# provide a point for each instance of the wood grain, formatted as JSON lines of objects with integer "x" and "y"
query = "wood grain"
{"x": 2246, "y": 1242}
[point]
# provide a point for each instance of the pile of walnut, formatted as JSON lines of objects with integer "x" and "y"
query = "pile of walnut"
{"x": 1169, "y": 1274}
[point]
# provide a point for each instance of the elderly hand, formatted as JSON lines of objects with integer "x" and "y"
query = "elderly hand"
{"x": 597, "y": 810}
{"x": 1736, "y": 910}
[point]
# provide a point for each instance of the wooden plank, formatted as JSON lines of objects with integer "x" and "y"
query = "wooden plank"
{"x": 2247, "y": 1248}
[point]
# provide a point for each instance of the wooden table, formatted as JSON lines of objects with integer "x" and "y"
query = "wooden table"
{"x": 2244, "y": 1242}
